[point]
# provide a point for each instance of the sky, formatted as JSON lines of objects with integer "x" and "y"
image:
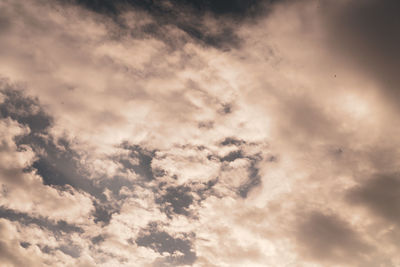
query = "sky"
{"x": 205, "y": 133}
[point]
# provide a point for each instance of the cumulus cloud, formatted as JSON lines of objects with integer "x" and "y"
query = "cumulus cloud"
{"x": 199, "y": 133}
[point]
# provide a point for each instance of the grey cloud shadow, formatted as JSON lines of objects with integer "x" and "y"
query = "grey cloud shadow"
{"x": 103, "y": 212}
{"x": 232, "y": 156}
{"x": 176, "y": 200}
{"x": 58, "y": 164}
{"x": 161, "y": 242}
{"x": 182, "y": 199}
{"x": 186, "y": 15}
{"x": 26, "y": 111}
{"x": 59, "y": 227}
{"x": 69, "y": 249}
{"x": 235, "y": 8}
{"x": 25, "y": 244}
{"x": 232, "y": 141}
{"x": 328, "y": 238}
{"x": 253, "y": 180}
{"x": 98, "y": 239}
{"x": 367, "y": 33}
{"x": 144, "y": 158}
{"x": 380, "y": 194}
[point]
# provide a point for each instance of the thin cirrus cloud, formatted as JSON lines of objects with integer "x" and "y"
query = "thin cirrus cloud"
{"x": 199, "y": 133}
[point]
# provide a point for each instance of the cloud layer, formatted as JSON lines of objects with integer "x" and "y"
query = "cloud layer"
{"x": 199, "y": 133}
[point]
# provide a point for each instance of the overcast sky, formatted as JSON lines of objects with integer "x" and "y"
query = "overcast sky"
{"x": 199, "y": 133}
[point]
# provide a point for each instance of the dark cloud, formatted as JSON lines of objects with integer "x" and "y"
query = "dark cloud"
{"x": 161, "y": 242}
{"x": 325, "y": 237}
{"x": 367, "y": 33}
{"x": 226, "y": 108}
{"x": 45, "y": 248}
{"x": 381, "y": 194}
{"x": 114, "y": 184}
{"x": 207, "y": 189}
{"x": 5, "y": 22}
{"x": 70, "y": 250}
{"x": 143, "y": 157}
{"x": 186, "y": 15}
{"x": 224, "y": 38}
{"x": 25, "y": 244}
{"x": 58, "y": 227}
{"x": 103, "y": 212}
{"x": 24, "y": 110}
{"x": 57, "y": 163}
{"x": 232, "y": 156}
{"x": 232, "y": 141}
{"x": 98, "y": 239}
{"x": 176, "y": 200}
{"x": 254, "y": 178}
{"x": 237, "y": 8}
{"x": 183, "y": 199}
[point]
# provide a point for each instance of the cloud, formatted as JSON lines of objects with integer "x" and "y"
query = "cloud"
{"x": 198, "y": 133}
{"x": 208, "y": 22}
{"x": 379, "y": 194}
{"x": 24, "y": 110}
{"x": 24, "y": 191}
{"x": 10, "y": 253}
{"x": 23, "y": 218}
{"x": 327, "y": 237}
{"x": 176, "y": 200}
{"x": 139, "y": 161}
{"x": 179, "y": 249}
{"x": 366, "y": 33}
{"x": 56, "y": 163}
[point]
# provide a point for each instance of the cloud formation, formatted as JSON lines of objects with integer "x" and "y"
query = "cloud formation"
{"x": 199, "y": 133}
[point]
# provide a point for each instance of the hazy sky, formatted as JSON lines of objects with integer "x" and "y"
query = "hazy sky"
{"x": 200, "y": 133}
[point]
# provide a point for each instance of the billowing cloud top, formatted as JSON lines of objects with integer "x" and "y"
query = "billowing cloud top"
{"x": 199, "y": 133}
